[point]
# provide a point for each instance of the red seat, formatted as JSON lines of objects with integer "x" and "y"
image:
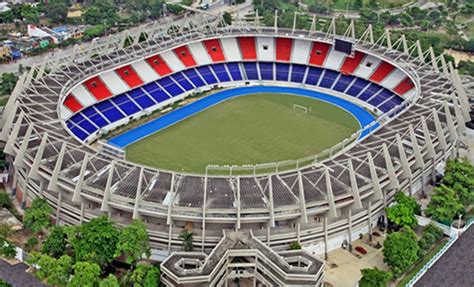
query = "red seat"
{"x": 404, "y": 86}
{"x": 351, "y": 63}
{"x": 247, "y": 48}
{"x": 319, "y": 53}
{"x": 283, "y": 49}
{"x": 159, "y": 65}
{"x": 214, "y": 50}
{"x": 97, "y": 88}
{"x": 72, "y": 103}
{"x": 185, "y": 56}
{"x": 381, "y": 72}
{"x": 129, "y": 76}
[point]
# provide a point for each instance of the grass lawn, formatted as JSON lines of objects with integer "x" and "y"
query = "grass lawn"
{"x": 420, "y": 264}
{"x": 249, "y": 129}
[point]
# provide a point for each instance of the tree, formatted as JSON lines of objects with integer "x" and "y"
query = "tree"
{"x": 5, "y": 200}
{"x": 227, "y": 18}
{"x": 55, "y": 271}
{"x": 109, "y": 281}
{"x": 36, "y": 217}
{"x": 444, "y": 205}
{"x": 374, "y": 278}
{"x": 4, "y": 283}
{"x": 29, "y": 14}
{"x": 400, "y": 250}
{"x": 459, "y": 175}
{"x": 101, "y": 12}
{"x": 31, "y": 243}
{"x": 295, "y": 245}
{"x": 57, "y": 10}
{"x": 95, "y": 241}
{"x": 133, "y": 242}
{"x": 187, "y": 238}
{"x": 7, "y": 250}
{"x": 401, "y": 215}
{"x": 144, "y": 276}
{"x": 86, "y": 274}
{"x": 55, "y": 243}
{"x": 7, "y": 83}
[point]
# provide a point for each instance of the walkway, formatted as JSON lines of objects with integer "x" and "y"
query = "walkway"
{"x": 16, "y": 275}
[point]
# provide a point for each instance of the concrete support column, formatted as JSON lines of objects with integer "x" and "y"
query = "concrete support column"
{"x": 58, "y": 208}
{"x": 9, "y": 146}
{"x": 349, "y": 226}
{"x": 304, "y": 216}
{"x": 369, "y": 211}
{"x": 378, "y": 195}
{"x": 136, "y": 214}
{"x": 105, "y": 200}
{"x": 270, "y": 199}
{"x": 81, "y": 219}
{"x": 39, "y": 156}
{"x": 204, "y": 210}
{"x": 76, "y": 197}
{"x": 354, "y": 186}
{"x": 330, "y": 197}
{"x": 53, "y": 182}
{"x": 326, "y": 239}
{"x": 20, "y": 156}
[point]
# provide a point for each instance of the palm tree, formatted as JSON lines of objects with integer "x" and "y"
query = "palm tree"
{"x": 187, "y": 238}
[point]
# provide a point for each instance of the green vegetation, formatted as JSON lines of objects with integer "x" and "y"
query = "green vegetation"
{"x": 417, "y": 267}
{"x": 36, "y": 216}
{"x": 133, "y": 242}
{"x": 4, "y": 283}
{"x": 403, "y": 213}
{"x": 455, "y": 194}
{"x": 295, "y": 245}
{"x": 82, "y": 255}
{"x": 7, "y": 83}
{"x": 5, "y": 200}
{"x": 431, "y": 234}
{"x": 187, "y": 238}
{"x": 400, "y": 251}
{"x": 374, "y": 278}
{"x": 244, "y": 130}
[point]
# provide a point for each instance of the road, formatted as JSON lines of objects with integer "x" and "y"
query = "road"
{"x": 29, "y": 61}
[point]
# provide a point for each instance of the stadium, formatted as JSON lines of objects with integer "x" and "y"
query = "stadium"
{"x": 335, "y": 125}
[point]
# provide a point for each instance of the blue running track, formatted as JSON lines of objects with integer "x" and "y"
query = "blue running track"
{"x": 363, "y": 117}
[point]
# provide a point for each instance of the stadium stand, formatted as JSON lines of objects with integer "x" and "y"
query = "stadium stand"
{"x": 97, "y": 88}
{"x": 247, "y": 48}
{"x": 381, "y": 72}
{"x": 283, "y": 49}
{"x": 215, "y": 50}
{"x": 319, "y": 53}
{"x": 160, "y": 66}
{"x": 128, "y": 75}
{"x": 185, "y": 56}
{"x": 351, "y": 63}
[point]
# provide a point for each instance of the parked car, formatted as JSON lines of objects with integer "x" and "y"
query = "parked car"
{"x": 361, "y": 250}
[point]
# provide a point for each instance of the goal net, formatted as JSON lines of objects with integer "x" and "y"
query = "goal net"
{"x": 301, "y": 109}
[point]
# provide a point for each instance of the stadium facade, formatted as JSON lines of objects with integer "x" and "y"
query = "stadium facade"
{"x": 63, "y": 105}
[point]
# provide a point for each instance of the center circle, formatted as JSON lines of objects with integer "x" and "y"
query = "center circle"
{"x": 250, "y": 129}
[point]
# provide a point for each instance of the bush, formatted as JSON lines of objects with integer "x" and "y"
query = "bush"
{"x": 374, "y": 278}
{"x": 31, "y": 243}
{"x": 295, "y": 246}
{"x": 4, "y": 283}
{"x": 5, "y": 200}
{"x": 8, "y": 250}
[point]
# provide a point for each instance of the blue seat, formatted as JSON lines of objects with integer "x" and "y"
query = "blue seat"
{"x": 159, "y": 95}
{"x": 194, "y": 77}
{"x": 141, "y": 98}
{"x": 125, "y": 104}
{"x": 251, "y": 71}
{"x": 266, "y": 71}
{"x": 170, "y": 86}
{"x": 180, "y": 79}
{"x": 282, "y": 71}
{"x": 109, "y": 111}
{"x": 88, "y": 126}
{"x": 313, "y": 76}
{"x": 221, "y": 72}
{"x": 342, "y": 83}
{"x": 369, "y": 92}
{"x": 356, "y": 87}
{"x": 95, "y": 117}
{"x": 79, "y": 133}
{"x": 297, "y": 73}
{"x": 151, "y": 87}
{"x": 234, "y": 71}
{"x": 207, "y": 75}
{"x": 328, "y": 79}
{"x": 380, "y": 98}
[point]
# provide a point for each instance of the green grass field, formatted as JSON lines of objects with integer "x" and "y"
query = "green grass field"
{"x": 250, "y": 129}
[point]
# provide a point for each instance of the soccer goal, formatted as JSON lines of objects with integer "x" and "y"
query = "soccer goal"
{"x": 301, "y": 109}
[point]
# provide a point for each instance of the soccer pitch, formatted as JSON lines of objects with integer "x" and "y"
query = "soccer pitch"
{"x": 249, "y": 129}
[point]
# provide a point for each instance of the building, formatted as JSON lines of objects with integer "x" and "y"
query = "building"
{"x": 241, "y": 257}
